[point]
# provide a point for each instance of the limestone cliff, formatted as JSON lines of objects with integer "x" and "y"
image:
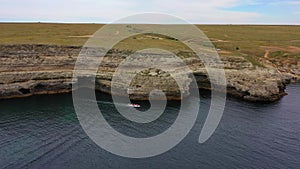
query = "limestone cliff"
{"x": 47, "y": 69}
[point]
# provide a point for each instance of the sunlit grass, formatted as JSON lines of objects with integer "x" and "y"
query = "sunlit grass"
{"x": 246, "y": 41}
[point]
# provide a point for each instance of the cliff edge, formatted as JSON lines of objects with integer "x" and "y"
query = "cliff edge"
{"x": 47, "y": 69}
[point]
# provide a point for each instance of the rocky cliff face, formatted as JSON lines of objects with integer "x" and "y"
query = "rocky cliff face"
{"x": 43, "y": 69}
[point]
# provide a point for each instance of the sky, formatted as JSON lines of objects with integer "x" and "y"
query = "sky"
{"x": 193, "y": 11}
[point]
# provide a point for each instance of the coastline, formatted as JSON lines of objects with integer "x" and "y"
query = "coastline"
{"x": 47, "y": 69}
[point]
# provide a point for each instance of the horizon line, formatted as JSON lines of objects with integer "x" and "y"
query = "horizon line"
{"x": 106, "y": 23}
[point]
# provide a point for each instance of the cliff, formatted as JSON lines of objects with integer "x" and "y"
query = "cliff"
{"x": 47, "y": 69}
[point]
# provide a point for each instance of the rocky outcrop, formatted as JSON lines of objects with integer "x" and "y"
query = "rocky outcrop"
{"x": 47, "y": 69}
{"x": 257, "y": 85}
{"x": 288, "y": 66}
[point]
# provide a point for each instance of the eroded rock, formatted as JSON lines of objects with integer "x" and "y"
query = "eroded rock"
{"x": 47, "y": 69}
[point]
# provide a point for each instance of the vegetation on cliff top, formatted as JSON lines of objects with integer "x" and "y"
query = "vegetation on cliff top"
{"x": 242, "y": 40}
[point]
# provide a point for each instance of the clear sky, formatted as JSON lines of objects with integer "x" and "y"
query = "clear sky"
{"x": 194, "y": 11}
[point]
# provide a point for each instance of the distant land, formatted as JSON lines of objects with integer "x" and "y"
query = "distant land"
{"x": 259, "y": 60}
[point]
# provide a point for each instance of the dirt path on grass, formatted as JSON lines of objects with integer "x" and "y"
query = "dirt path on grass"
{"x": 267, "y": 54}
{"x": 291, "y": 49}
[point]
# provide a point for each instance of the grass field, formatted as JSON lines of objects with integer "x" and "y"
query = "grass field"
{"x": 244, "y": 40}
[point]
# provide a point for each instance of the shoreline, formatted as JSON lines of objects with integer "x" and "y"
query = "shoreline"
{"x": 105, "y": 92}
{"x": 47, "y": 69}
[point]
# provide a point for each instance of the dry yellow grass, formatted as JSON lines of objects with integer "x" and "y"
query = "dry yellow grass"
{"x": 248, "y": 41}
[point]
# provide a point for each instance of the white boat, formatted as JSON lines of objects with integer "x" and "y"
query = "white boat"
{"x": 134, "y": 105}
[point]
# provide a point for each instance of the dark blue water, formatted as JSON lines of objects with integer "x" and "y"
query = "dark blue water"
{"x": 43, "y": 132}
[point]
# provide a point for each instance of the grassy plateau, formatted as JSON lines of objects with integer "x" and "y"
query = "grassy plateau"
{"x": 249, "y": 41}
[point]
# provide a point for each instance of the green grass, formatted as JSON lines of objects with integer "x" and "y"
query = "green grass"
{"x": 253, "y": 60}
{"x": 45, "y": 33}
{"x": 249, "y": 39}
{"x": 242, "y": 40}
